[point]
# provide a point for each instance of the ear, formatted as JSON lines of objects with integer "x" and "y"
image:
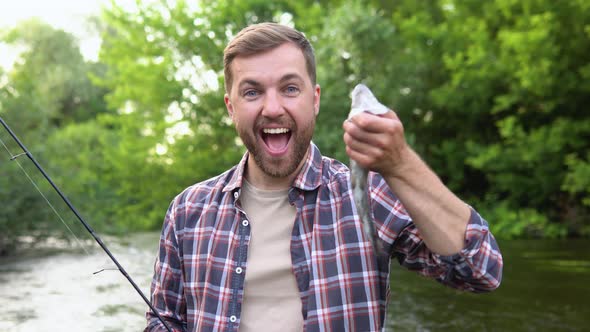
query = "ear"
{"x": 228, "y": 106}
{"x": 316, "y": 99}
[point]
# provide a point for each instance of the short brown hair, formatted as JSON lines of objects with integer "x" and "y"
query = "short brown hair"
{"x": 263, "y": 37}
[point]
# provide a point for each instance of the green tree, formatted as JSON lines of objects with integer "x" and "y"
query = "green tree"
{"x": 47, "y": 89}
{"x": 165, "y": 76}
{"x": 523, "y": 67}
{"x": 492, "y": 95}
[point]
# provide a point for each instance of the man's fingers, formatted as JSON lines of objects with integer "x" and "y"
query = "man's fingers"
{"x": 391, "y": 114}
{"x": 374, "y": 130}
{"x": 374, "y": 123}
{"x": 363, "y": 160}
{"x": 368, "y": 150}
{"x": 361, "y": 135}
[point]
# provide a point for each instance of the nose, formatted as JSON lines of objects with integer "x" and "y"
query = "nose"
{"x": 272, "y": 107}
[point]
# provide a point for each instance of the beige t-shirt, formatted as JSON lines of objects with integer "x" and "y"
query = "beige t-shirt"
{"x": 271, "y": 297}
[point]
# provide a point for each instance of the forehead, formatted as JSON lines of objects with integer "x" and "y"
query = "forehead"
{"x": 271, "y": 65}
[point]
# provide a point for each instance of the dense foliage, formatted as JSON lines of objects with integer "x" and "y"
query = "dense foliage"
{"x": 493, "y": 95}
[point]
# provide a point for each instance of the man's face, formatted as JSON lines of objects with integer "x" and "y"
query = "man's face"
{"x": 273, "y": 104}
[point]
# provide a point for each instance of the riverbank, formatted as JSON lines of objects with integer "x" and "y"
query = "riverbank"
{"x": 545, "y": 288}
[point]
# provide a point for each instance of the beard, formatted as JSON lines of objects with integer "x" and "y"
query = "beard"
{"x": 278, "y": 167}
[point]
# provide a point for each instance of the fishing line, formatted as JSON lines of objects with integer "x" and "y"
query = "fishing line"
{"x": 84, "y": 223}
{"x": 14, "y": 158}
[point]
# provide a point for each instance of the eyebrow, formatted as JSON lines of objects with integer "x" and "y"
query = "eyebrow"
{"x": 254, "y": 83}
{"x": 290, "y": 77}
{"x": 250, "y": 82}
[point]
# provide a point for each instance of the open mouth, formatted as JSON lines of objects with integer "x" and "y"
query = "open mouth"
{"x": 276, "y": 139}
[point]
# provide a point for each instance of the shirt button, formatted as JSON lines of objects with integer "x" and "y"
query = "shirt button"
{"x": 239, "y": 270}
{"x": 236, "y": 195}
{"x": 245, "y": 223}
{"x": 233, "y": 319}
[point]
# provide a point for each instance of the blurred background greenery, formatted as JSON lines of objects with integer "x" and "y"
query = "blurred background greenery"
{"x": 494, "y": 96}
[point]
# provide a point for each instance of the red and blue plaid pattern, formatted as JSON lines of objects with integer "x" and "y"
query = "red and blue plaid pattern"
{"x": 343, "y": 284}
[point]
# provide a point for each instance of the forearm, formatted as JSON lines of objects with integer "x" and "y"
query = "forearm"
{"x": 440, "y": 216}
{"x": 378, "y": 143}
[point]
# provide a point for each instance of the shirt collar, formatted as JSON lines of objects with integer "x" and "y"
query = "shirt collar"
{"x": 309, "y": 177}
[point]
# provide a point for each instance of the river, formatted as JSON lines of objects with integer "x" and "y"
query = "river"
{"x": 546, "y": 287}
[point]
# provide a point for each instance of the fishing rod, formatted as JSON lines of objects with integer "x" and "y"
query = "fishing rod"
{"x": 86, "y": 225}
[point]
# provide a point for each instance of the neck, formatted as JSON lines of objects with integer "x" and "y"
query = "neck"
{"x": 261, "y": 180}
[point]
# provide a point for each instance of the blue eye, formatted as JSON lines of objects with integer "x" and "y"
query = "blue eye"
{"x": 292, "y": 90}
{"x": 250, "y": 93}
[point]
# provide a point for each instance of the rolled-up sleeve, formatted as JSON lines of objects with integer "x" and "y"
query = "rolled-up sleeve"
{"x": 167, "y": 294}
{"x": 476, "y": 268}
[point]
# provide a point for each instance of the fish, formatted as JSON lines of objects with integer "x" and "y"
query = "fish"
{"x": 363, "y": 100}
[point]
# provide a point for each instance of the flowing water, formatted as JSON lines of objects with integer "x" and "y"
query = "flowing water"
{"x": 57, "y": 290}
{"x": 546, "y": 287}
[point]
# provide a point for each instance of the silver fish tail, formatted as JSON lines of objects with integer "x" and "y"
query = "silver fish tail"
{"x": 363, "y": 100}
{"x": 358, "y": 177}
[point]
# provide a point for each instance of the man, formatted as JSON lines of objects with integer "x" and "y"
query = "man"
{"x": 275, "y": 244}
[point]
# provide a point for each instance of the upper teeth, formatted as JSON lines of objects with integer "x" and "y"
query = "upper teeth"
{"x": 275, "y": 130}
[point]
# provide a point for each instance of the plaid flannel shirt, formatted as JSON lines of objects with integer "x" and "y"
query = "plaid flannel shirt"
{"x": 343, "y": 285}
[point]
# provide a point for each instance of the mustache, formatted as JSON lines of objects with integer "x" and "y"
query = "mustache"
{"x": 265, "y": 122}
